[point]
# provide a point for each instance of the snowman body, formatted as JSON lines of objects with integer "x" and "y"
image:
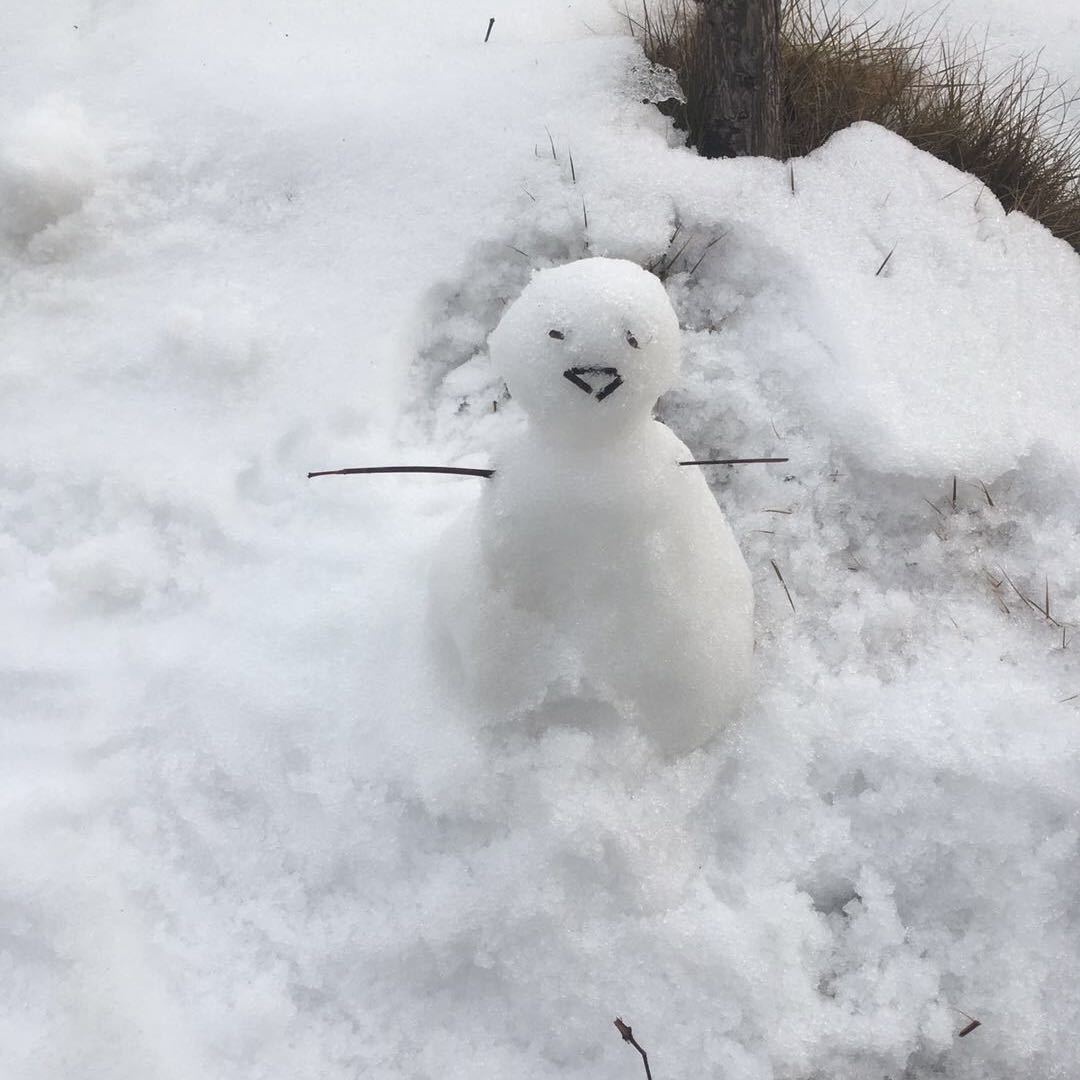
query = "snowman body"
{"x": 595, "y": 569}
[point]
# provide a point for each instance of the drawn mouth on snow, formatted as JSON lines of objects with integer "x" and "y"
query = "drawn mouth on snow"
{"x": 605, "y": 382}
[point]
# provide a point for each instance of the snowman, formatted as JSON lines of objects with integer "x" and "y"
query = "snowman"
{"x": 595, "y": 581}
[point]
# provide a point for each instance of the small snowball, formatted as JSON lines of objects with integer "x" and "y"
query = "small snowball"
{"x": 50, "y": 163}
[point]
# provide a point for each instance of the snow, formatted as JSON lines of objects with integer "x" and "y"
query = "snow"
{"x": 1001, "y": 32}
{"x": 51, "y": 165}
{"x": 245, "y": 835}
{"x": 596, "y": 576}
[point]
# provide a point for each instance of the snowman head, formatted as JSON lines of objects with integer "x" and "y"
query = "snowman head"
{"x": 588, "y": 347}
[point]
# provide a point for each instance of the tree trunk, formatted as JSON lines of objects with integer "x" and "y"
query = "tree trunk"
{"x": 742, "y": 111}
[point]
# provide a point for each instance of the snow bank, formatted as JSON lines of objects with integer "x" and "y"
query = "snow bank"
{"x": 244, "y": 836}
{"x": 890, "y": 292}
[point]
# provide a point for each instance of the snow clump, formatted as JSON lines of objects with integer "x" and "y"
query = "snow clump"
{"x": 51, "y": 161}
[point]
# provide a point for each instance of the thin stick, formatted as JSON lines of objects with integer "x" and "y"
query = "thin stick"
{"x": 884, "y": 262}
{"x": 405, "y": 468}
{"x": 973, "y": 180}
{"x": 627, "y": 1032}
{"x": 491, "y": 23}
{"x": 573, "y": 171}
{"x": 780, "y": 578}
{"x": 968, "y": 1028}
{"x": 738, "y": 461}
{"x": 1030, "y": 603}
{"x": 714, "y": 240}
{"x": 675, "y": 258}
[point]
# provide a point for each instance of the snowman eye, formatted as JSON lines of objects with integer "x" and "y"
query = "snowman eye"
{"x": 631, "y": 340}
{"x": 558, "y": 335}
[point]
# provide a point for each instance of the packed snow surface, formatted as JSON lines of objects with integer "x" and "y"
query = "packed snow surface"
{"x": 595, "y": 569}
{"x": 245, "y": 834}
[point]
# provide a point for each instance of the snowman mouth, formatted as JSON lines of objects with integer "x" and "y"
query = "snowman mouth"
{"x": 604, "y": 382}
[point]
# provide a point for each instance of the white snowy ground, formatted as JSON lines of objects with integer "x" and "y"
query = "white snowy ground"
{"x": 241, "y": 837}
{"x": 1047, "y": 31}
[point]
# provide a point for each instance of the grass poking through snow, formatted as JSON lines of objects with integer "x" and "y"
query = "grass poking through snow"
{"x": 1012, "y": 129}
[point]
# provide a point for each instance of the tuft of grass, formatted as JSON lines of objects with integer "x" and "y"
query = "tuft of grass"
{"x": 665, "y": 264}
{"x": 1012, "y": 129}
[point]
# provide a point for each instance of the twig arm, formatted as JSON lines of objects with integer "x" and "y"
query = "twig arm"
{"x": 487, "y": 473}
{"x": 738, "y": 461}
{"x": 406, "y": 468}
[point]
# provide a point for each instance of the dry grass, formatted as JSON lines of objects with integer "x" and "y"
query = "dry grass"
{"x": 1011, "y": 130}
{"x": 672, "y": 33}
{"x": 664, "y": 265}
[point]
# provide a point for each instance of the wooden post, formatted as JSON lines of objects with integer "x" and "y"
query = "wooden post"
{"x": 742, "y": 112}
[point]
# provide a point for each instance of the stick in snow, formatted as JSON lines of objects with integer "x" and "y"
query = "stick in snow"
{"x": 738, "y": 461}
{"x": 454, "y": 471}
{"x": 405, "y": 468}
{"x": 627, "y": 1032}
